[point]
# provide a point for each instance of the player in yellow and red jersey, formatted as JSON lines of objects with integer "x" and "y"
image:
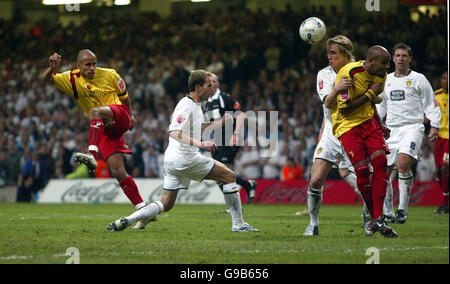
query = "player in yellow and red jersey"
{"x": 441, "y": 150}
{"x": 103, "y": 96}
{"x": 360, "y": 131}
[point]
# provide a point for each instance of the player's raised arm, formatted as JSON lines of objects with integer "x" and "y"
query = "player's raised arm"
{"x": 53, "y": 63}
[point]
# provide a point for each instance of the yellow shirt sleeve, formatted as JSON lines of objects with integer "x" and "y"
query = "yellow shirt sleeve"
{"x": 120, "y": 85}
{"x": 343, "y": 98}
{"x": 62, "y": 82}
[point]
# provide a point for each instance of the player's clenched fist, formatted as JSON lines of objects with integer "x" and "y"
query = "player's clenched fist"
{"x": 208, "y": 146}
{"x": 54, "y": 60}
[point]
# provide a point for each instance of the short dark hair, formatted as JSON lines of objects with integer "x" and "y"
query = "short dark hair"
{"x": 197, "y": 77}
{"x": 402, "y": 46}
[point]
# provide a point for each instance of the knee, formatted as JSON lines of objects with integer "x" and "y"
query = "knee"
{"x": 316, "y": 181}
{"x": 229, "y": 177}
{"x": 362, "y": 175}
{"x": 119, "y": 173}
{"x": 380, "y": 168}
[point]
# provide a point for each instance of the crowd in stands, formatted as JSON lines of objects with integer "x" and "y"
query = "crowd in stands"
{"x": 258, "y": 57}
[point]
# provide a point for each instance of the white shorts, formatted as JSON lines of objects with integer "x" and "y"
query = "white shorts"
{"x": 406, "y": 140}
{"x": 178, "y": 173}
{"x": 330, "y": 150}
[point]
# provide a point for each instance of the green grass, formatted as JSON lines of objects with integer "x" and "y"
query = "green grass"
{"x": 200, "y": 234}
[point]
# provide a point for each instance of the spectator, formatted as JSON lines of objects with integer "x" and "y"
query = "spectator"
{"x": 426, "y": 168}
{"x": 102, "y": 170}
{"x": 32, "y": 178}
{"x": 292, "y": 171}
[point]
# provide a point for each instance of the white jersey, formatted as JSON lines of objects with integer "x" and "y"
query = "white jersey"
{"x": 326, "y": 78}
{"x": 406, "y": 99}
{"x": 329, "y": 148}
{"x": 188, "y": 118}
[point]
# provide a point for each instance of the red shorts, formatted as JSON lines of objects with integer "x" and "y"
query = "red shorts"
{"x": 363, "y": 140}
{"x": 113, "y": 141}
{"x": 441, "y": 152}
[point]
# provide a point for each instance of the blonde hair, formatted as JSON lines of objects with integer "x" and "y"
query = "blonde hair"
{"x": 344, "y": 44}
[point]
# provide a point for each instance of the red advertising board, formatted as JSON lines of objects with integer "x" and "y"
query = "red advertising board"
{"x": 336, "y": 192}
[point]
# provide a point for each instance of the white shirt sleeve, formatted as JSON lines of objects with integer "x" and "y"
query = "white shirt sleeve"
{"x": 324, "y": 84}
{"x": 382, "y": 107}
{"x": 429, "y": 102}
{"x": 181, "y": 116}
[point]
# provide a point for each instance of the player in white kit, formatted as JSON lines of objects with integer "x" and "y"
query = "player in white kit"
{"x": 407, "y": 96}
{"x": 183, "y": 162}
{"x": 329, "y": 152}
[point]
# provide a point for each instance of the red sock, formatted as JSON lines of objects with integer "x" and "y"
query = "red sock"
{"x": 96, "y": 131}
{"x": 363, "y": 182}
{"x": 130, "y": 189}
{"x": 443, "y": 181}
{"x": 379, "y": 184}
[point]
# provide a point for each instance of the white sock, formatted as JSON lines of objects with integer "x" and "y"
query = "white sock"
{"x": 140, "y": 205}
{"x": 230, "y": 188}
{"x": 351, "y": 180}
{"x": 314, "y": 198}
{"x": 405, "y": 182}
{"x": 151, "y": 210}
{"x": 388, "y": 206}
{"x": 233, "y": 201}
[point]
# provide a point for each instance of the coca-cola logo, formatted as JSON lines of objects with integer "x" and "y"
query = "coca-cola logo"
{"x": 80, "y": 193}
{"x": 280, "y": 192}
{"x": 195, "y": 194}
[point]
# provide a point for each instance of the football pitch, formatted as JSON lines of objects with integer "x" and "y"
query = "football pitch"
{"x": 201, "y": 234}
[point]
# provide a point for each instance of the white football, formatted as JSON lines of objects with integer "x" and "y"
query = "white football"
{"x": 312, "y": 30}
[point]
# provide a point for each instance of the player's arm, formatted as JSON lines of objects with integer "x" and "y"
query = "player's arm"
{"x": 384, "y": 128}
{"x": 372, "y": 94}
{"x": 431, "y": 108}
{"x": 186, "y": 139}
{"x": 53, "y": 63}
{"x": 322, "y": 127}
{"x": 344, "y": 84}
{"x": 227, "y": 118}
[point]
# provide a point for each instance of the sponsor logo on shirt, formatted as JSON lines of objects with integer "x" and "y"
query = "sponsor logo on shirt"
{"x": 397, "y": 95}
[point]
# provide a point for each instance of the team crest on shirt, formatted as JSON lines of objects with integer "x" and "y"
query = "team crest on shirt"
{"x": 121, "y": 85}
{"x": 320, "y": 84}
{"x": 345, "y": 96}
{"x": 408, "y": 83}
{"x": 319, "y": 150}
{"x": 180, "y": 119}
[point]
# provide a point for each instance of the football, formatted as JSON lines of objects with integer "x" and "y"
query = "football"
{"x": 312, "y": 30}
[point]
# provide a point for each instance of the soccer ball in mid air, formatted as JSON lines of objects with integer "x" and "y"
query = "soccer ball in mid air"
{"x": 312, "y": 30}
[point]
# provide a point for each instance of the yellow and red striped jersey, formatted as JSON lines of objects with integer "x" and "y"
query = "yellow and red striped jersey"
{"x": 361, "y": 83}
{"x": 442, "y": 99}
{"x": 105, "y": 89}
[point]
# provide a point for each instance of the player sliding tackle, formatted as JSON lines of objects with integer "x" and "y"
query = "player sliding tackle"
{"x": 183, "y": 161}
